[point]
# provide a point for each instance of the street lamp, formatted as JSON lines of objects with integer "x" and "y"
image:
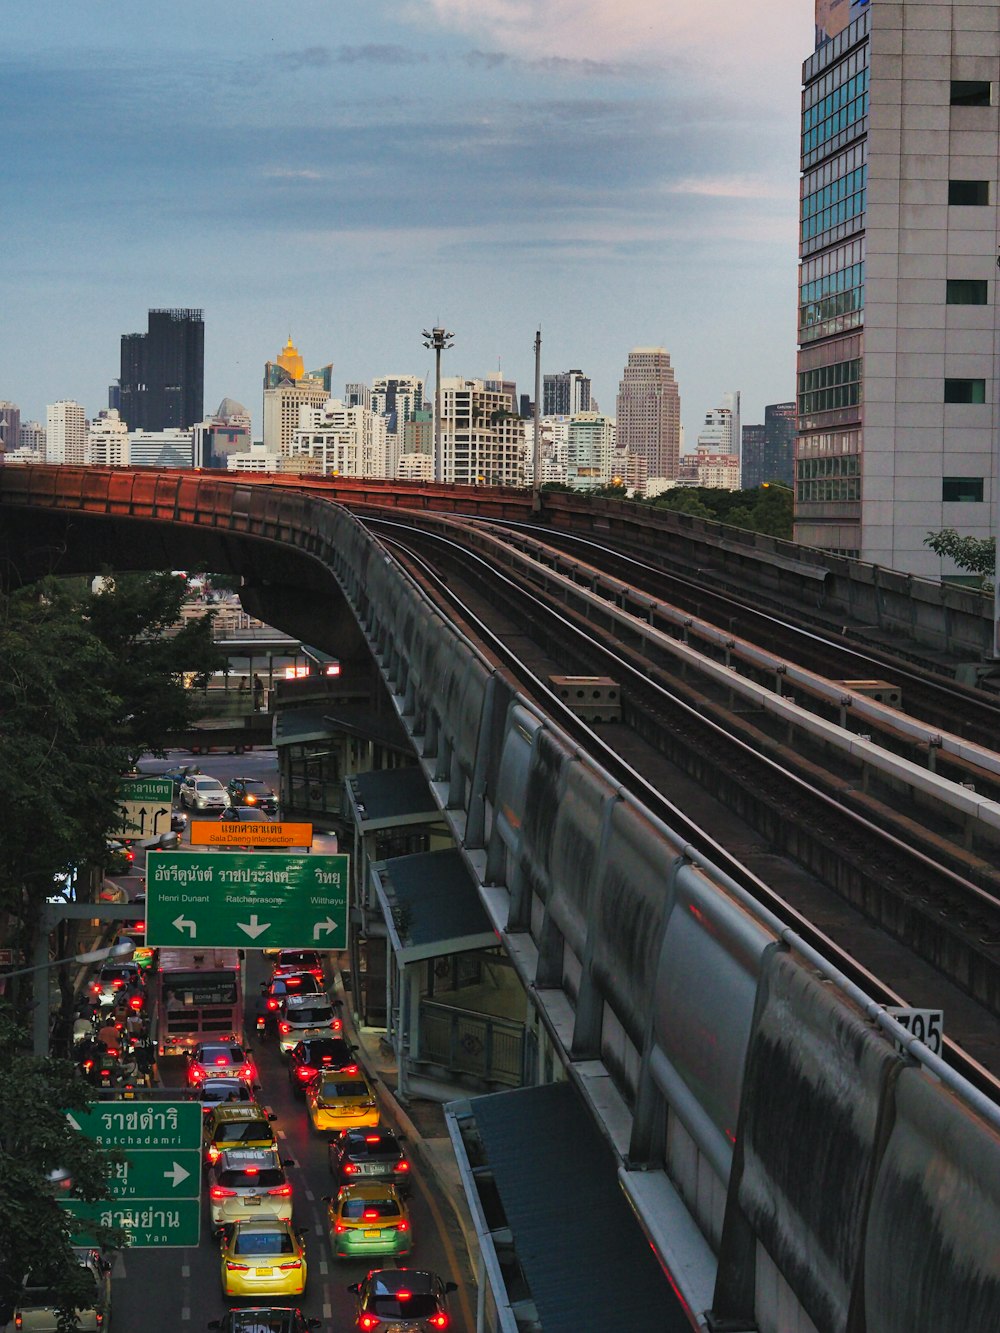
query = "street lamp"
{"x": 123, "y": 949}
{"x": 438, "y": 340}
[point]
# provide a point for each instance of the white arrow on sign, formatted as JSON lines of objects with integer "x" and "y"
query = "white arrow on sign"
{"x": 72, "y": 1123}
{"x": 182, "y": 923}
{"x": 252, "y": 927}
{"x": 325, "y": 926}
{"x": 176, "y": 1174}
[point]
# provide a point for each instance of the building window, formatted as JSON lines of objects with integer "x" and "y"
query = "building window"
{"x": 966, "y": 193}
{"x": 964, "y": 490}
{"x": 966, "y": 291}
{"x": 965, "y": 391}
{"x": 970, "y": 92}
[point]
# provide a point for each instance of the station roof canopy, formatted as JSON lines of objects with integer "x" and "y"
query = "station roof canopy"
{"x": 431, "y": 906}
{"x": 390, "y": 798}
{"x": 547, "y": 1183}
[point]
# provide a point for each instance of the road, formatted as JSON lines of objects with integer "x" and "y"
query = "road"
{"x": 159, "y": 1291}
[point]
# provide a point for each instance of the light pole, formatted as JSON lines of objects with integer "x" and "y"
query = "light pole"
{"x": 40, "y": 1024}
{"x": 438, "y": 339}
{"x": 536, "y": 452}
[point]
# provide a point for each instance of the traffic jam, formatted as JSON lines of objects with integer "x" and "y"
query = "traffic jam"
{"x": 312, "y": 1207}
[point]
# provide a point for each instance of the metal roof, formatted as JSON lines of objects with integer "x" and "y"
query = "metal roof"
{"x": 584, "y": 1257}
{"x": 388, "y": 798}
{"x": 431, "y": 905}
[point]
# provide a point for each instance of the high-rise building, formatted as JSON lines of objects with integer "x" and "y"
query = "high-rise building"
{"x": 649, "y": 411}
{"x": 287, "y": 388}
{"x": 897, "y": 387}
{"x": 32, "y": 436}
{"x": 227, "y": 432}
{"x": 482, "y": 440}
{"x": 107, "y": 441}
{"x": 161, "y": 448}
{"x": 346, "y": 441}
{"x": 768, "y": 452}
{"x": 10, "y": 427}
{"x": 590, "y": 449}
{"x": 565, "y": 394}
{"x": 65, "y": 433}
{"x": 357, "y": 395}
{"x": 162, "y": 382}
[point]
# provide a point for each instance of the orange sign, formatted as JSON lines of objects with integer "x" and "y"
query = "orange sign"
{"x": 223, "y": 833}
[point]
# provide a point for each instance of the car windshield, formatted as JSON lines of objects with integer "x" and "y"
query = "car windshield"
{"x": 298, "y": 985}
{"x": 40, "y": 1294}
{"x": 264, "y": 1242}
{"x": 234, "y": 1089}
{"x": 252, "y": 1178}
{"x": 356, "y": 1209}
{"x": 298, "y": 958}
{"x": 416, "y": 1305}
{"x": 310, "y": 1014}
{"x": 262, "y": 1321}
{"x": 377, "y": 1145}
{"x": 331, "y": 1090}
{"x": 244, "y": 1131}
{"x": 217, "y": 1055}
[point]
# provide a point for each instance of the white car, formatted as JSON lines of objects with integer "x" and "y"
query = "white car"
{"x": 201, "y": 793}
{"x": 36, "y": 1312}
{"x": 247, "y": 1183}
{"x": 305, "y": 1016}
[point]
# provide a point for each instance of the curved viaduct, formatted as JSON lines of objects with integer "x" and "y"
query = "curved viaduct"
{"x": 793, "y": 1169}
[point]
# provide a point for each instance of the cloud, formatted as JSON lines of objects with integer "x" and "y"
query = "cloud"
{"x": 728, "y": 187}
{"x": 373, "y": 53}
{"x": 560, "y": 66}
{"x": 292, "y": 174}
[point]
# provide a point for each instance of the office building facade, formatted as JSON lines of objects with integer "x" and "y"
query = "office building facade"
{"x": 287, "y": 388}
{"x": 768, "y": 448}
{"x": 162, "y": 382}
{"x": 896, "y": 392}
{"x": 107, "y": 441}
{"x": 161, "y": 448}
{"x": 10, "y": 427}
{"x": 649, "y": 411}
{"x": 482, "y": 440}
{"x": 565, "y": 394}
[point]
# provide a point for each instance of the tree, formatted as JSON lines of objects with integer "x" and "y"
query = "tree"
{"x": 976, "y": 555}
{"x": 88, "y": 682}
{"x": 36, "y": 1139}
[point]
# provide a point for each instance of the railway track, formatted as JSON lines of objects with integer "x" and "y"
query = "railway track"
{"x": 942, "y": 915}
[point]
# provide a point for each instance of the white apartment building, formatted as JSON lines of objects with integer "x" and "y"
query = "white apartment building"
{"x": 255, "y": 459}
{"x": 415, "y": 467}
{"x": 897, "y": 393}
{"x": 344, "y": 441}
{"x": 482, "y": 443}
{"x": 31, "y": 436}
{"x": 108, "y": 440}
{"x": 65, "y": 433}
{"x": 590, "y": 447}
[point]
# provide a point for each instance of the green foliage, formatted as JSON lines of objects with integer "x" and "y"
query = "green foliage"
{"x": 35, "y": 1140}
{"x": 976, "y": 555}
{"x": 615, "y": 490}
{"x": 766, "y": 508}
{"x": 555, "y": 486}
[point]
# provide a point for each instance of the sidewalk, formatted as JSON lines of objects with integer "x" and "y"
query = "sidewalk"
{"x": 422, "y": 1123}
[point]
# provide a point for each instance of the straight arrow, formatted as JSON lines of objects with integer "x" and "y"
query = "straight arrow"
{"x": 182, "y": 923}
{"x": 326, "y": 926}
{"x": 176, "y": 1174}
{"x": 252, "y": 928}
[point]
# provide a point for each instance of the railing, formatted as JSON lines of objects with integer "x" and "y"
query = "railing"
{"x": 471, "y": 1043}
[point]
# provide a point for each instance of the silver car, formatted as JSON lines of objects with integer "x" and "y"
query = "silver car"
{"x": 201, "y": 793}
{"x": 303, "y": 1016}
{"x": 37, "y": 1313}
{"x": 248, "y": 1183}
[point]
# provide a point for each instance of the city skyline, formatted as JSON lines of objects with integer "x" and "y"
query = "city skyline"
{"x": 619, "y": 178}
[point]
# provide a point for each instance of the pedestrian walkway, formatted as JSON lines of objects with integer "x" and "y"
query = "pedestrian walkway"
{"x": 422, "y": 1123}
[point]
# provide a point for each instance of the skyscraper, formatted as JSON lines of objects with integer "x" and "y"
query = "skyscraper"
{"x": 565, "y": 394}
{"x": 287, "y": 388}
{"x": 649, "y": 411}
{"x": 898, "y": 240}
{"x": 10, "y": 427}
{"x": 162, "y": 383}
{"x": 65, "y": 433}
{"x": 769, "y": 449}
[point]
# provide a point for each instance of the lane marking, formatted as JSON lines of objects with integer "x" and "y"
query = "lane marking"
{"x": 186, "y": 1312}
{"x": 324, "y": 1267}
{"x": 327, "y": 1310}
{"x": 309, "y": 1195}
{"x": 185, "y": 1270}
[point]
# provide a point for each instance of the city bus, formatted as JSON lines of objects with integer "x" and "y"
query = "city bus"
{"x": 198, "y": 997}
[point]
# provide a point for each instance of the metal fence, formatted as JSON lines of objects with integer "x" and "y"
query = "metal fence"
{"x": 471, "y": 1043}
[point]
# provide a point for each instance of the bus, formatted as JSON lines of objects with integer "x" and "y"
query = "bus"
{"x": 198, "y": 997}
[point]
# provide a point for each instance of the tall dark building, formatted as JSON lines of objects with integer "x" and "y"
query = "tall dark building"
{"x": 162, "y": 383}
{"x": 565, "y": 394}
{"x": 768, "y": 452}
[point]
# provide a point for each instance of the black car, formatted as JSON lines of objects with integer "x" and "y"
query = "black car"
{"x": 244, "y": 814}
{"x": 358, "y": 1155}
{"x": 411, "y": 1298}
{"x": 309, "y": 1058}
{"x": 265, "y": 1319}
{"x": 254, "y": 793}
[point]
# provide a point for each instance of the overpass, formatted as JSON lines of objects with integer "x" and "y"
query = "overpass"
{"x": 796, "y": 1160}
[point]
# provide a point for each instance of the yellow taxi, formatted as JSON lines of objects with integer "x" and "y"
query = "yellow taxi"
{"x": 337, "y": 1101}
{"x": 263, "y": 1258}
{"x": 368, "y": 1219}
{"x": 235, "y": 1125}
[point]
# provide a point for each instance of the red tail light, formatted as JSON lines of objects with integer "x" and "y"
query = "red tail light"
{"x": 305, "y": 1072}
{"x": 290, "y": 1266}
{"x": 222, "y": 1059}
{"x": 245, "y": 1071}
{"x": 237, "y": 1268}
{"x": 403, "y": 1226}
{"x": 214, "y": 1154}
{"x": 281, "y": 1192}
{"x": 135, "y": 1003}
{"x": 88, "y": 1066}
{"x": 197, "y": 1073}
{"x": 339, "y": 1228}
{"x": 370, "y": 1214}
{"x": 350, "y": 1069}
{"x": 439, "y": 1320}
{"x": 350, "y": 1169}
{"x": 403, "y": 1295}
{"x": 220, "y": 1192}
{"x": 317, "y": 972}
{"x": 284, "y": 1028}
{"x": 368, "y": 1321}
{"x": 402, "y": 1166}
{"x": 273, "y": 1004}
{"x": 95, "y": 987}
{"x": 337, "y": 1024}
{"x": 118, "y": 984}
{"x": 252, "y": 1170}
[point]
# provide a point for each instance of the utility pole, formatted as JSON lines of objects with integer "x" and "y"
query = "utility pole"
{"x": 536, "y": 453}
{"x": 438, "y": 339}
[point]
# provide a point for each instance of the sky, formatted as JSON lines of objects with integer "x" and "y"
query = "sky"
{"x": 617, "y": 173}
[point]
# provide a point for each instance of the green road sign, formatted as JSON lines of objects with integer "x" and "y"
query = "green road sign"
{"x": 151, "y": 1223}
{"x": 155, "y": 1193}
{"x": 145, "y": 805}
{"x": 225, "y": 900}
{"x": 153, "y": 1173}
{"x": 141, "y": 1124}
